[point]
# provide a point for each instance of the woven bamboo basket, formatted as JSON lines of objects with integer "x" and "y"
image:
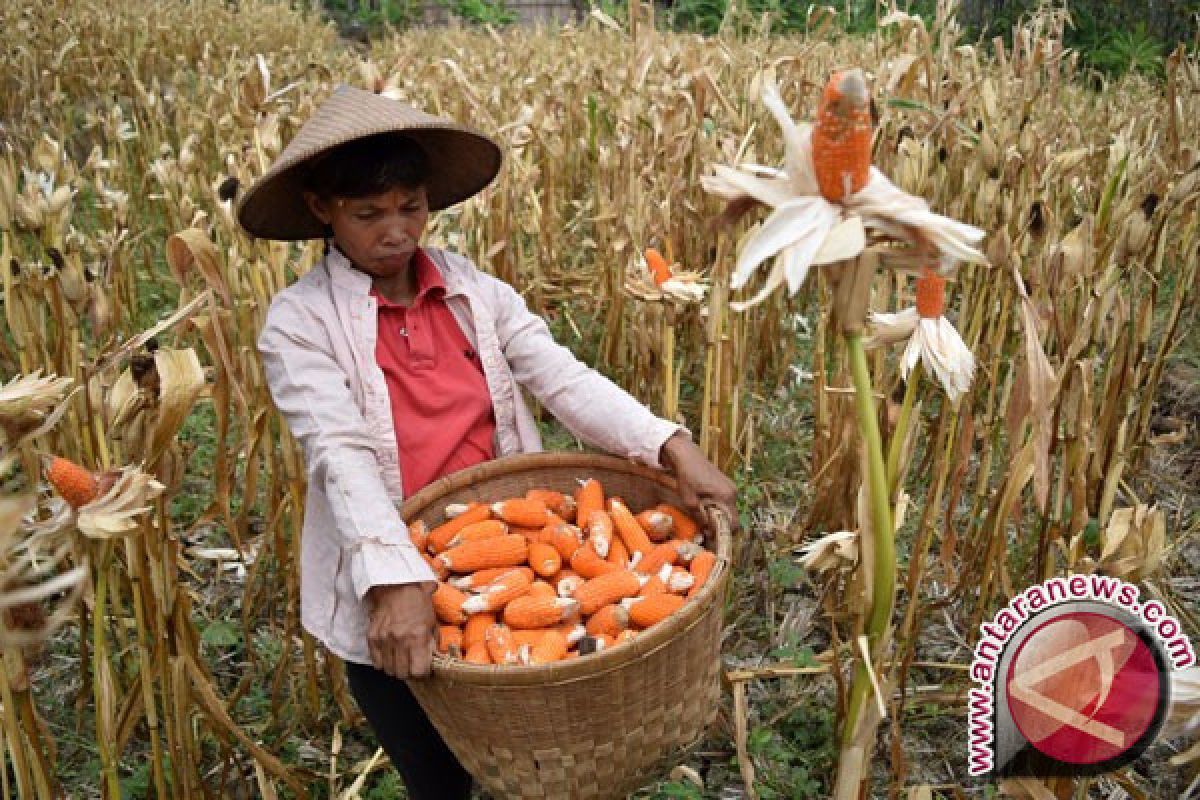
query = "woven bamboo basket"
{"x": 599, "y": 726}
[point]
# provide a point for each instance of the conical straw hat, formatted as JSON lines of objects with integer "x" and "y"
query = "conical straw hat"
{"x": 461, "y": 160}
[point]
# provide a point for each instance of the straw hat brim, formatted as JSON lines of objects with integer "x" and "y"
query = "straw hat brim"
{"x": 462, "y": 161}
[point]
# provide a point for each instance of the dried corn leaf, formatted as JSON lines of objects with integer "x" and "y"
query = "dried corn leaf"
{"x": 31, "y": 406}
{"x": 181, "y": 379}
{"x": 1043, "y": 386}
{"x": 831, "y": 551}
{"x": 138, "y": 342}
{"x": 115, "y": 513}
{"x": 192, "y": 247}
{"x": 1134, "y": 542}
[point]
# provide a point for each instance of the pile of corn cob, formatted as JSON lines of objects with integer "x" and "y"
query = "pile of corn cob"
{"x": 551, "y": 576}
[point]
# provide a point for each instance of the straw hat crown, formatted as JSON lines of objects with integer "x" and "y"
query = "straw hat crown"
{"x": 462, "y": 161}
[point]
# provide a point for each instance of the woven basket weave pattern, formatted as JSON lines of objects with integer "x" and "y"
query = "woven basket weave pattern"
{"x": 599, "y": 726}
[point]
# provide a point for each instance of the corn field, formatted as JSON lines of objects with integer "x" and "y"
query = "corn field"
{"x": 152, "y": 646}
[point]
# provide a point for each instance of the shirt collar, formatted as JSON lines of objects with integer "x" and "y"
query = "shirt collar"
{"x": 343, "y": 273}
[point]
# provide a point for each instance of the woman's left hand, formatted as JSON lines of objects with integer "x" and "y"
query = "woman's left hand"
{"x": 700, "y": 482}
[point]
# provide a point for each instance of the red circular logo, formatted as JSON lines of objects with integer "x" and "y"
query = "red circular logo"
{"x": 1083, "y": 688}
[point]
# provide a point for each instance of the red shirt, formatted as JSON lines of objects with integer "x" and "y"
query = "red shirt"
{"x": 441, "y": 408}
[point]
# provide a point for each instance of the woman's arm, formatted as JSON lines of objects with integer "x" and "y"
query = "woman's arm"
{"x": 312, "y": 391}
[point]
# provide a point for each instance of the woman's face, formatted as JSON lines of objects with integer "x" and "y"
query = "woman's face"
{"x": 378, "y": 233}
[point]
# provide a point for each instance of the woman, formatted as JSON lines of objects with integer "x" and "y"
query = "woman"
{"x": 395, "y": 364}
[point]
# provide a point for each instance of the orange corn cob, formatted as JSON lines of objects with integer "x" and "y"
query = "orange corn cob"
{"x": 75, "y": 484}
{"x": 653, "y": 586}
{"x": 646, "y": 611}
{"x": 568, "y": 583}
{"x": 609, "y": 620}
{"x": 478, "y": 654}
{"x": 448, "y": 604}
{"x": 439, "y": 537}
{"x": 618, "y": 554}
{"x": 479, "y": 578}
{"x": 687, "y": 550}
{"x": 574, "y": 631}
{"x": 599, "y": 527}
{"x": 450, "y": 640}
{"x": 439, "y": 569}
{"x": 636, "y": 540}
{"x": 550, "y": 648}
{"x": 679, "y": 580}
{"x": 605, "y": 589}
{"x": 452, "y": 510}
{"x": 544, "y": 559}
{"x": 841, "y": 138}
{"x": 539, "y": 612}
{"x": 528, "y": 638}
{"x": 625, "y": 636}
{"x": 589, "y": 497}
{"x": 685, "y": 527}
{"x": 499, "y": 593}
{"x": 565, "y": 537}
{"x": 588, "y": 563}
{"x": 418, "y": 534}
{"x": 561, "y": 504}
{"x": 500, "y": 644}
{"x": 665, "y": 553}
{"x": 700, "y": 568}
{"x": 522, "y": 511}
{"x": 476, "y": 627}
{"x": 660, "y": 270}
{"x": 658, "y": 525}
{"x": 542, "y": 589}
{"x": 478, "y": 531}
{"x": 508, "y": 550}
{"x": 931, "y": 294}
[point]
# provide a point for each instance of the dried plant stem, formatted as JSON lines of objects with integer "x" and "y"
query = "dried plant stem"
{"x": 43, "y": 772}
{"x": 884, "y": 579}
{"x": 146, "y": 671}
{"x": 16, "y": 742}
{"x": 670, "y": 375}
{"x": 104, "y": 738}
{"x": 903, "y": 422}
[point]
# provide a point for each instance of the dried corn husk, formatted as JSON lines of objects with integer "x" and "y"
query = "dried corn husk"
{"x": 29, "y": 577}
{"x": 838, "y": 550}
{"x": 683, "y": 287}
{"x": 30, "y": 405}
{"x": 934, "y": 342}
{"x": 1134, "y": 541}
{"x": 114, "y": 513}
{"x": 805, "y": 229}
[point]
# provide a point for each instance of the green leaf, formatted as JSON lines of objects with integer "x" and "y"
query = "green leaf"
{"x": 222, "y": 633}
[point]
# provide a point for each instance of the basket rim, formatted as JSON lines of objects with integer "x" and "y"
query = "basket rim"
{"x": 596, "y": 663}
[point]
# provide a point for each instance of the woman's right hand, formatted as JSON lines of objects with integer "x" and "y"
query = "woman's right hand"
{"x": 402, "y": 632}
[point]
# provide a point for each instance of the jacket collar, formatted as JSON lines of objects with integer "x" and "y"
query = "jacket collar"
{"x": 343, "y": 273}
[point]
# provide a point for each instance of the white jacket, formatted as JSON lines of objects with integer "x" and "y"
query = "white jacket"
{"x": 318, "y": 351}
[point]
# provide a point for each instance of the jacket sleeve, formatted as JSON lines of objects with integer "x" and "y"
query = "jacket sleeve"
{"x": 312, "y": 392}
{"x": 591, "y": 406}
